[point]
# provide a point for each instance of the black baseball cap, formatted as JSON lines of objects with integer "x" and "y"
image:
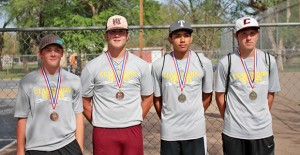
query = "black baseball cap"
{"x": 180, "y": 25}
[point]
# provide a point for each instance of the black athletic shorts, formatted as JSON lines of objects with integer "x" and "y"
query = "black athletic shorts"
{"x": 71, "y": 149}
{"x": 235, "y": 146}
{"x": 185, "y": 147}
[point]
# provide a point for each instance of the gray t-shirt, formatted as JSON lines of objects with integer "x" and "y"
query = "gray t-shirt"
{"x": 244, "y": 118}
{"x": 33, "y": 103}
{"x": 182, "y": 121}
{"x": 98, "y": 82}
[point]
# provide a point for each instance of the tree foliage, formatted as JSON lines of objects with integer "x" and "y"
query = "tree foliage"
{"x": 76, "y": 13}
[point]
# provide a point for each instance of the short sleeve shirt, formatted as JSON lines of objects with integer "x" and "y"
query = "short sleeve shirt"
{"x": 33, "y": 103}
{"x": 99, "y": 82}
{"x": 182, "y": 121}
{"x": 245, "y": 118}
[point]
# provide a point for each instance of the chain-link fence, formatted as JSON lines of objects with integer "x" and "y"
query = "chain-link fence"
{"x": 18, "y": 49}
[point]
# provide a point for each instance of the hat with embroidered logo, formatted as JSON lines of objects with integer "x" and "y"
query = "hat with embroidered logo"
{"x": 245, "y": 22}
{"x": 180, "y": 25}
{"x": 116, "y": 22}
{"x": 50, "y": 39}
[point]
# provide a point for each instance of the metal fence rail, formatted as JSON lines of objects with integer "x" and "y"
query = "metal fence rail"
{"x": 18, "y": 57}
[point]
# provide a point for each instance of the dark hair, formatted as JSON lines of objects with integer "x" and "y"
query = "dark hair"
{"x": 186, "y": 30}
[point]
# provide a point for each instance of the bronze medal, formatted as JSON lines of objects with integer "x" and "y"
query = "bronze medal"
{"x": 181, "y": 98}
{"x": 119, "y": 95}
{"x": 182, "y": 78}
{"x": 253, "y": 96}
{"x": 54, "y": 116}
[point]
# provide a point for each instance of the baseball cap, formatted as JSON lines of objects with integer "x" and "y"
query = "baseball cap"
{"x": 50, "y": 39}
{"x": 180, "y": 25}
{"x": 245, "y": 22}
{"x": 116, "y": 22}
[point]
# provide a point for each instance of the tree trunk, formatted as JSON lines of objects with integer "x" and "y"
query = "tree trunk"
{"x": 288, "y": 11}
{"x": 280, "y": 55}
{"x": 277, "y": 51}
{"x": 1, "y": 48}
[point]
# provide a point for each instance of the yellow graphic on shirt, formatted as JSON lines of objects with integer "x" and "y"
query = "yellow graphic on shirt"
{"x": 109, "y": 75}
{"x": 45, "y": 94}
{"x": 243, "y": 76}
{"x": 173, "y": 78}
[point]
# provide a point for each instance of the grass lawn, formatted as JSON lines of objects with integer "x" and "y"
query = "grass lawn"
{"x": 17, "y": 71}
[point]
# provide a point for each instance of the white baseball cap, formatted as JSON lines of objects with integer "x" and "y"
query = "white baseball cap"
{"x": 245, "y": 22}
{"x": 116, "y": 22}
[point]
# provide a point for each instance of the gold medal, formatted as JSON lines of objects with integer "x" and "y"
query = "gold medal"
{"x": 119, "y": 95}
{"x": 253, "y": 96}
{"x": 54, "y": 116}
{"x": 181, "y": 98}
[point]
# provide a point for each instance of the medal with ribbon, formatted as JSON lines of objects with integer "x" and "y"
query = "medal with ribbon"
{"x": 119, "y": 78}
{"x": 253, "y": 94}
{"x": 182, "y": 81}
{"x": 53, "y": 99}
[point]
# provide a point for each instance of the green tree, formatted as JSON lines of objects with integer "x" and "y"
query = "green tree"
{"x": 70, "y": 13}
{"x": 201, "y": 12}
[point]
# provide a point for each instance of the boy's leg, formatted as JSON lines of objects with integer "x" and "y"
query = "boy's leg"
{"x": 106, "y": 141}
{"x": 133, "y": 140}
{"x": 264, "y": 146}
{"x": 193, "y": 147}
{"x": 233, "y": 146}
{"x": 170, "y": 147}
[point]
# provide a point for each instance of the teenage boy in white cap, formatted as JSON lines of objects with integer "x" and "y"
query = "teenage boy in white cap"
{"x": 182, "y": 92}
{"x": 245, "y": 85}
{"x": 120, "y": 86}
{"x": 49, "y": 106}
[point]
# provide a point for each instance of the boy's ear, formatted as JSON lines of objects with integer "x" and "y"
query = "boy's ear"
{"x": 105, "y": 36}
{"x": 39, "y": 53}
{"x": 170, "y": 40}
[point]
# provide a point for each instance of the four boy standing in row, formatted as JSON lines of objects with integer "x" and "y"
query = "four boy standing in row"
{"x": 117, "y": 92}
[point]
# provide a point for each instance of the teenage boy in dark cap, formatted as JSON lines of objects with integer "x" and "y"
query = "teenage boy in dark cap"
{"x": 49, "y": 106}
{"x": 182, "y": 92}
{"x": 120, "y": 86}
{"x": 246, "y": 82}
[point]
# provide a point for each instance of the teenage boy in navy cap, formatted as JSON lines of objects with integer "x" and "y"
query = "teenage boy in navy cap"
{"x": 49, "y": 106}
{"x": 182, "y": 92}
{"x": 120, "y": 86}
{"x": 245, "y": 85}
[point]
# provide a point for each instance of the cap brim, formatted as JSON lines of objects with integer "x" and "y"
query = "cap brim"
{"x": 117, "y": 28}
{"x": 257, "y": 27}
{"x": 182, "y": 29}
{"x": 52, "y": 44}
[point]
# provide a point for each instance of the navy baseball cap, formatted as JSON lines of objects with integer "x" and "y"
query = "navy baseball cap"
{"x": 180, "y": 25}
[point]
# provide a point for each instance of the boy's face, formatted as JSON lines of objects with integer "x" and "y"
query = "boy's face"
{"x": 181, "y": 40}
{"x": 116, "y": 38}
{"x": 51, "y": 55}
{"x": 247, "y": 38}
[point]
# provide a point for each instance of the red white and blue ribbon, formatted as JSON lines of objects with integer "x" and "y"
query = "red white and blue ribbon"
{"x": 251, "y": 82}
{"x": 119, "y": 78}
{"x": 186, "y": 69}
{"x": 53, "y": 100}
